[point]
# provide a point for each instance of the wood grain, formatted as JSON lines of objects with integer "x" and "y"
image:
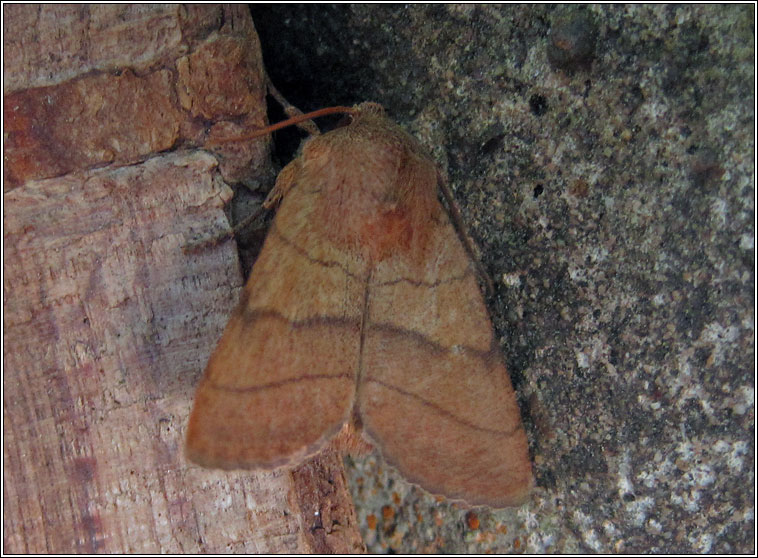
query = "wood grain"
{"x": 108, "y": 320}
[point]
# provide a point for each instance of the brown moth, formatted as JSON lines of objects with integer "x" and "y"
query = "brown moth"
{"x": 364, "y": 306}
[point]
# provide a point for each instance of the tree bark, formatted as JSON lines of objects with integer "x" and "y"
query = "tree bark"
{"x": 108, "y": 319}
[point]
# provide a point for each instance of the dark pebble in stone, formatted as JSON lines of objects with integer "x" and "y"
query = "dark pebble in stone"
{"x": 572, "y": 41}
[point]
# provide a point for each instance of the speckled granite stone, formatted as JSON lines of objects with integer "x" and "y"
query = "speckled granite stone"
{"x": 613, "y": 202}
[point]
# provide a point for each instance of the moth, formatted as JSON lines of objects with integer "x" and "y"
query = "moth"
{"x": 364, "y": 306}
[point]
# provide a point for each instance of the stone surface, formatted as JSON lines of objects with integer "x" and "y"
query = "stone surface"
{"x": 614, "y": 204}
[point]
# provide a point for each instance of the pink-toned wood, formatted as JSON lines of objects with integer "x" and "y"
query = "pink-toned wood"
{"x": 108, "y": 318}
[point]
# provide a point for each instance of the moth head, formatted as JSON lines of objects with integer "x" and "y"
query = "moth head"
{"x": 369, "y": 108}
{"x": 360, "y": 111}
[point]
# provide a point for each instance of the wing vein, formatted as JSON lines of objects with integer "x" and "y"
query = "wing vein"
{"x": 270, "y": 385}
{"x": 302, "y": 252}
{"x": 426, "y": 284}
{"x": 445, "y": 412}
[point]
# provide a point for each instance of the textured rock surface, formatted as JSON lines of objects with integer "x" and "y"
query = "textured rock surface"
{"x": 613, "y": 201}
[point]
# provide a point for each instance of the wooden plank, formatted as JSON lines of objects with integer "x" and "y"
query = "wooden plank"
{"x": 109, "y": 322}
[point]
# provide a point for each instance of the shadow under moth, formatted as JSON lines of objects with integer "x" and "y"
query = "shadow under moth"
{"x": 363, "y": 307}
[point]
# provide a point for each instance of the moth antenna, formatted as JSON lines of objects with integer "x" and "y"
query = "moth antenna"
{"x": 463, "y": 234}
{"x": 283, "y": 124}
{"x": 291, "y": 110}
{"x": 296, "y": 118}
